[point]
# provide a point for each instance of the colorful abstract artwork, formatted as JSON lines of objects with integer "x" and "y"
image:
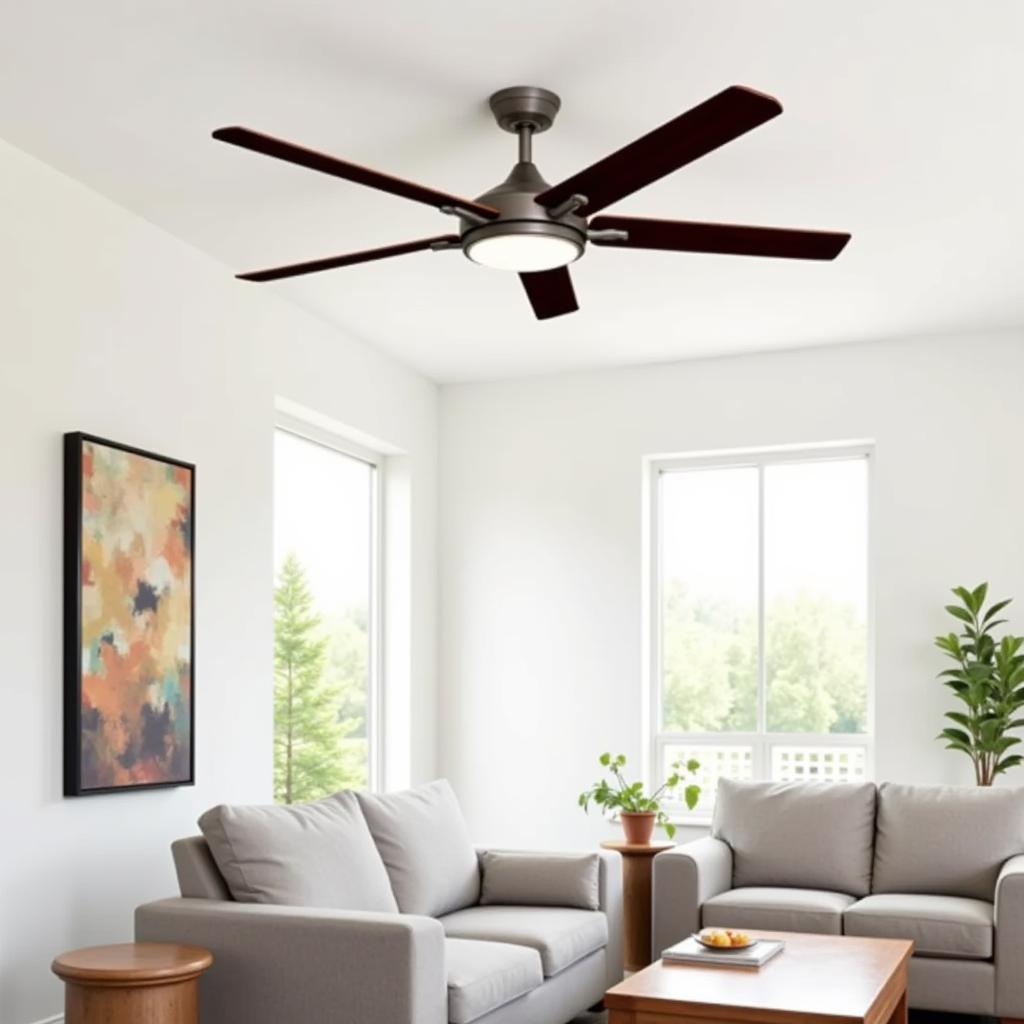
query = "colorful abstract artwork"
{"x": 129, "y": 624}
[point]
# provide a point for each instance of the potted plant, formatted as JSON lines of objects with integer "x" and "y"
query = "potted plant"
{"x": 989, "y": 680}
{"x": 637, "y": 812}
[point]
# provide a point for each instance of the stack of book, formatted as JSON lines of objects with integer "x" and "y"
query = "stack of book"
{"x": 690, "y": 951}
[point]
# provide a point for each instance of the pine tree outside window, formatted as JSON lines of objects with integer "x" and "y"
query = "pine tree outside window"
{"x": 326, "y": 555}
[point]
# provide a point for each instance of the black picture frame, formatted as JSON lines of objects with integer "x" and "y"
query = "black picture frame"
{"x": 72, "y": 624}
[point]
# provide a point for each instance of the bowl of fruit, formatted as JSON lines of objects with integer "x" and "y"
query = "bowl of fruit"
{"x": 724, "y": 940}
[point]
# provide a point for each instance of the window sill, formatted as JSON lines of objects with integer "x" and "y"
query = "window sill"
{"x": 699, "y": 819}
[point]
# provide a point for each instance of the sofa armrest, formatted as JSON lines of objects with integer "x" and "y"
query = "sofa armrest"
{"x": 610, "y": 895}
{"x": 1009, "y": 922}
{"x": 528, "y": 867}
{"x": 279, "y": 963}
{"x": 684, "y": 878}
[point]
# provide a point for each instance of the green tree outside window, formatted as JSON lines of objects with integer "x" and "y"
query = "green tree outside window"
{"x": 320, "y": 687}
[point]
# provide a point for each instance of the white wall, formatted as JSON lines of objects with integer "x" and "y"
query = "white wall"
{"x": 109, "y": 325}
{"x": 541, "y": 547}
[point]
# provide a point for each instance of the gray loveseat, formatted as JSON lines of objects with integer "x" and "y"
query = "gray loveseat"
{"x": 376, "y": 909}
{"x": 939, "y": 865}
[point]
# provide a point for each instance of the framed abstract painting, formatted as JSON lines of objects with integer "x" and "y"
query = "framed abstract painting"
{"x": 129, "y": 618}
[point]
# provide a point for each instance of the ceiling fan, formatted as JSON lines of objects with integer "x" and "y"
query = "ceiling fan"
{"x": 536, "y": 229}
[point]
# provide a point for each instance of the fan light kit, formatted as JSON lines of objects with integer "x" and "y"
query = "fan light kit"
{"x": 514, "y": 250}
{"x": 536, "y": 229}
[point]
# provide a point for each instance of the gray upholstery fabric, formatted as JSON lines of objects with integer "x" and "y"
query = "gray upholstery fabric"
{"x": 424, "y": 843}
{"x": 609, "y": 888}
{"x": 1010, "y": 939}
{"x": 946, "y": 840}
{"x": 286, "y": 963}
{"x": 560, "y": 998}
{"x": 540, "y": 879}
{"x": 275, "y": 964}
{"x": 788, "y": 910}
{"x": 318, "y": 854}
{"x": 197, "y": 873}
{"x": 951, "y": 986}
{"x": 699, "y": 873}
{"x": 683, "y": 879}
{"x": 561, "y": 935}
{"x": 947, "y": 926}
{"x": 485, "y": 975}
{"x": 814, "y": 835}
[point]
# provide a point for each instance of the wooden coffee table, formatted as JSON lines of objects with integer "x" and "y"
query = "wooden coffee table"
{"x": 825, "y": 977}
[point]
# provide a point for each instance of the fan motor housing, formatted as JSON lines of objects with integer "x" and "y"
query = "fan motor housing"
{"x": 515, "y": 199}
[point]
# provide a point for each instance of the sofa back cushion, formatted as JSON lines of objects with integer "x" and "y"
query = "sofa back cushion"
{"x": 424, "y": 843}
{"x": 807, "y": 835}
{"x": 946, "y": 840}
{"x": 318, "y": 854}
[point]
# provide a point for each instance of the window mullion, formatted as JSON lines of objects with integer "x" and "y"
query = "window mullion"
{"x": 655, "y": 612}
{"x": 762, "y": 709}
{"x": 375, "y": 696}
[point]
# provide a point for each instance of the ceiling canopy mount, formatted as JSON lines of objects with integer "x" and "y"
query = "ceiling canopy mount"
{"x": 525, "y": 106}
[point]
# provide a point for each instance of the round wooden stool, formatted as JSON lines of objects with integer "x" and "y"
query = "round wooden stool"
{"x": 133, "y": 983}
{"x": 637, "y": 864}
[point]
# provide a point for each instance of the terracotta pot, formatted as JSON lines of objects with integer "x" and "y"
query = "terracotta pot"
{"x": 638, "y": 826}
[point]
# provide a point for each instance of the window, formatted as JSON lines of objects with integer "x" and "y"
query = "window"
{"x": 759, "y": 614}
{"x": 326, "y": 560}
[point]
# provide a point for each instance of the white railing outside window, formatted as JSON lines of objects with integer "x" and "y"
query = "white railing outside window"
{"x": 822, "y": 764}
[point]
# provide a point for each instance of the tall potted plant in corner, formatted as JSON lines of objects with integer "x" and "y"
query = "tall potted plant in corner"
{"x": 638, "y": 812}
{"x": 988, "y": 680}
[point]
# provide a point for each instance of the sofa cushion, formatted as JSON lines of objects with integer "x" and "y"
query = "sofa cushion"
{"x": 949, "y": 926}
{"x": 812, "y": 835}
{"x": 540, "y": 879}
{"x": 318, "y": 854}
{"x": 946, "y": 840}
{"x": 561, "y": 935}
{"x": 424, "y": 843}
{"x": 786, "y": 910}
{"x": 485, "y": 975}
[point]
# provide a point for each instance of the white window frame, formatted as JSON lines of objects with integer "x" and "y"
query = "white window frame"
{"x": 761, "y": 742}
{"x": 375, "y": 682}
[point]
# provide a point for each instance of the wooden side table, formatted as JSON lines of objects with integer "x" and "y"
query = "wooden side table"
{"x": 133, "y": 983}
{"x": 637, "y": 865}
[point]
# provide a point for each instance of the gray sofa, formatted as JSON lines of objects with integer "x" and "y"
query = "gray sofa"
{"x": 939, "y": 865}
{"x": 377, "y": 909}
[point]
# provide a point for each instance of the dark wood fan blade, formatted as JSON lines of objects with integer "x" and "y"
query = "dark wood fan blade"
{"x": 333, "y": 262}
{"x": 730, "y": 239}
{"x": 281, "y": 150}
{"x": 550, "y": 292}
{"x": 714, "y": 122}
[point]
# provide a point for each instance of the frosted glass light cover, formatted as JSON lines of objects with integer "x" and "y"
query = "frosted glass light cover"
{"x": 523, "y": 253}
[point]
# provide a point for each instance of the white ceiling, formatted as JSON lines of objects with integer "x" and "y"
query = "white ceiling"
{"x": 902, "y": 124}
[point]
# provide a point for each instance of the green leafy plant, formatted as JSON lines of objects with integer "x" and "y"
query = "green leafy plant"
{"x": 989, "y": 679}
{"x": 620, "y": 795}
